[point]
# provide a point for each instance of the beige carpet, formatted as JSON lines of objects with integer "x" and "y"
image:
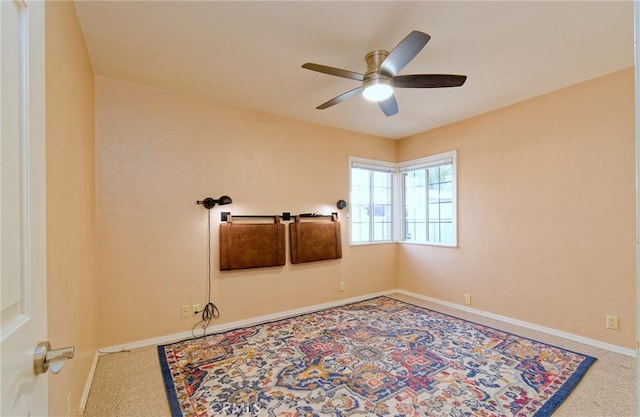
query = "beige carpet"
{"x": 130, "y": 383}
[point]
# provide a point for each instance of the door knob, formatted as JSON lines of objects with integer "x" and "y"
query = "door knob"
{"x": 44, "y": 358}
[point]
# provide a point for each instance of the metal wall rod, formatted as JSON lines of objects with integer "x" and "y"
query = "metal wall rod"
{"x": 285, "y": 216}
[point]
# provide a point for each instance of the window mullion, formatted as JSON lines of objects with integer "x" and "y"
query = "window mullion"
{"x": 372, "y": 206}
{"x": 426, "y": 205}
{"x": 439, "y": 204}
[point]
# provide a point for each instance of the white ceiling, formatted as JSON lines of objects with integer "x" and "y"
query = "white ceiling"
{"x": 248, "y": 54}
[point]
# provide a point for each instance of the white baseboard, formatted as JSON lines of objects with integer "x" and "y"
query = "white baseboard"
{"x": 217, "y": 329}
{"x": 87, "y": 385}
{"x": 243, "y": 323}
{"x": 296, "y": 312}
{"x": 542, "y": 329}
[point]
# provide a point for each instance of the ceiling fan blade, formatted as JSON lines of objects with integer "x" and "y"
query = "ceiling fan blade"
{"x": 404, "y": 52}
{"x": 342, "y": 97}
{"x": 333, "y": 71}
{"x": 389, "y": 106}
{"x": 428, "y": 80}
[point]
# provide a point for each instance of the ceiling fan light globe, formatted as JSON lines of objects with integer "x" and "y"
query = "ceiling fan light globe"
{"x": 377, "y": 92}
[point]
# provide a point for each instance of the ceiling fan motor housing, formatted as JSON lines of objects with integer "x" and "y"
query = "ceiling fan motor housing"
{"x": 376, "y": 85}
{"x": 374, "y": 59}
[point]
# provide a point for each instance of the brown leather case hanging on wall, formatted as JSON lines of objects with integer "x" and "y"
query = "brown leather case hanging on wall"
{"x": 251, "y": 245}
{"x": 312, "y": 241}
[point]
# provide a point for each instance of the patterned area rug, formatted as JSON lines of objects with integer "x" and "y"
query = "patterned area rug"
{"x": 379, "y": 357}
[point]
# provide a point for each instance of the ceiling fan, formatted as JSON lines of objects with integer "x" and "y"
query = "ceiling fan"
{"x": 380, "y": 78}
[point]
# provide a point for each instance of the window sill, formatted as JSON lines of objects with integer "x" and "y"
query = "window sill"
{"x": 439, "y": 245}
{"x": 391, "y": 242}
{"x": 386, "y": 242}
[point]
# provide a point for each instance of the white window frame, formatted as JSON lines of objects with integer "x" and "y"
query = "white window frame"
{"x": 383, "y": 166}
{"x": 423, "y": 163}
{"x": 397, "y": 204}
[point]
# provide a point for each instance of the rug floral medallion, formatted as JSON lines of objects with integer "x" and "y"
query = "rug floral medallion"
{"x": 379, "y": 357}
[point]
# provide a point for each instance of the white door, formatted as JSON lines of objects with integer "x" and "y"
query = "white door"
{"x": 22, "y": 207}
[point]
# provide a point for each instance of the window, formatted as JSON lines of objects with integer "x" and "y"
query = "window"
{"x": 371, "y": 201}
{"x": 424, "y": 189}
{"x": 429, "y": 196}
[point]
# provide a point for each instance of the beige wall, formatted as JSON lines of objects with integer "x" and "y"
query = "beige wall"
{"x": 70, "y": 202}
{"x": 546, "y": 209}
{"x": 157, "y": 153}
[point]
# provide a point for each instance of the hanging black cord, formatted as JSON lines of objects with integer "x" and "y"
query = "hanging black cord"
{"x": 210, "y": 311}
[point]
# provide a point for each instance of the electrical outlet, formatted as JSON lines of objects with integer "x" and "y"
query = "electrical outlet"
{"x": 195, "y": 309}
{"x": 612, "y": 322}
{"x": 467, "y": 299}
{"x": 185, "y": 312}
{"x": 341, "y": 287}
